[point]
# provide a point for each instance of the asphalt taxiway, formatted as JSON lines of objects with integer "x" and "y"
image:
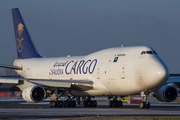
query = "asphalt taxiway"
{"x": 21, "y": 109}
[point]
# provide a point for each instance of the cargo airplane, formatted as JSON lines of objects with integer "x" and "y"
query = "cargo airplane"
{"x": 113, "y": 72}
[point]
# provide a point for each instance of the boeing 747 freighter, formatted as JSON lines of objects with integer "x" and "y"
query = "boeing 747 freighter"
{"x": 113, "y": 72}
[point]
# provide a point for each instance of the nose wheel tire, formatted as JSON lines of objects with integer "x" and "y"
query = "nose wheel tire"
{"x": 147, "y": 105}
{"x": 144, "y": 105}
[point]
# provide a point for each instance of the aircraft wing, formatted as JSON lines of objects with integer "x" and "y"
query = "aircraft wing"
{"x": 67, "y": 84}
{"x": 174, "y": 78}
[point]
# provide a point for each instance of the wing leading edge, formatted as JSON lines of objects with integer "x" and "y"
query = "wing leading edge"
{"x": 174, "y": 78}
{"x": 79, "y": 85}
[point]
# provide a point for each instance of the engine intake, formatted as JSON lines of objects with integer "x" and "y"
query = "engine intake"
{"x": 166, "y": 93}
{"x": 33, "y": 94}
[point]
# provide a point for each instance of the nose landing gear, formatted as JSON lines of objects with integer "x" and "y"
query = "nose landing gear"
{"x": 144, "y": 104}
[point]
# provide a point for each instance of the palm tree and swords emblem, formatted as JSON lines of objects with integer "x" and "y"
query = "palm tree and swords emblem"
{"x": 20, "y": 29}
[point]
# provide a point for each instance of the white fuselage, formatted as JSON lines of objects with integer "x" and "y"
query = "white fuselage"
{"x": 114, "y": 71}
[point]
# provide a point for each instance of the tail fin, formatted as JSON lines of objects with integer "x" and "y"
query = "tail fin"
{"x": 24, "y": 44}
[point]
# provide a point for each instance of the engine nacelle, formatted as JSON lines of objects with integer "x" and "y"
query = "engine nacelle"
{"x": 166, "y": 93}
{"x": 33, "y": 94}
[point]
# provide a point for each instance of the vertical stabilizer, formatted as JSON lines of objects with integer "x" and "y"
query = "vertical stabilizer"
{"x": 24, "y": 44}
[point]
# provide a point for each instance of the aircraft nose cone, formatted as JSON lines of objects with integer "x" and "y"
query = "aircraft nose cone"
{"x": 162, "y": 73}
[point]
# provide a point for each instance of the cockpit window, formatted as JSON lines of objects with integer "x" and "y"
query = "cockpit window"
{"x": 148, "y": 52}
{"x": 154, "y": 52}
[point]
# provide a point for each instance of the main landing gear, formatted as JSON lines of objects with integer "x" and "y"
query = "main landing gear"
{"x": 61, "y": 103}
{"x": 144, "y": 104}
{"x": 89, "y": 103}
{"x": 115, "y": 103}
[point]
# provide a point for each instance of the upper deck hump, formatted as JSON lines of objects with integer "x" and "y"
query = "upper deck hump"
{"x": 108, "y": 51}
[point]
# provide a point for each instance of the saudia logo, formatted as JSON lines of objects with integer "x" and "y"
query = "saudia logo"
{"x": 20, "y": 29}
{"x": 75, "y": 67}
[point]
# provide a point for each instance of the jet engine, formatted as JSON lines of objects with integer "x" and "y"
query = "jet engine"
{"x": 167, "y": 93}
{"x": 33, "y": 94}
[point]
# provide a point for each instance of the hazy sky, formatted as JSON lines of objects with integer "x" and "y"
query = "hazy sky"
{"x": 80, "y": 27}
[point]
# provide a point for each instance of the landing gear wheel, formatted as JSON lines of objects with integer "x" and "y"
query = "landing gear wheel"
{"x": 147, "y": 105}
{"x": 88, "y": 103}
{"x": 120, "y": 103}
{"x": 116, "y": 104}
{"x": 50, "y": 103}
{"x": 95, "y": 103}
{"x": 91, "y": 103}
{"x": 60, "y": 103}
{"x": 70, "y": 103}
{"x": 110, "y": 103}
{"x": 56, "y": 103}
{"x": 85, "y": 103}
{"x": 113, "y": 103}
{"x": 74, "y": 103}
{"x": 142, "y": 105}
{"x": 65, "y": 104}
